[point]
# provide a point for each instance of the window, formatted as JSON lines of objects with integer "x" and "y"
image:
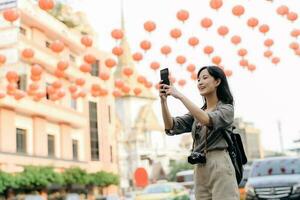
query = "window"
{"x": 22, "y": 30}
{"x": 47, "y": 94}
{"x": 73, "y": 103}
{"x": 72, "y": 58}
{"x": 111, "y": 154}
{"x": 47, "y": 44}
{"x": 21, "y": 140}
{"x": 22, "y": 82}
{"x": 95, "y": 68}
{"x": 94, "y": 130}
{"x": 109, "y": 115}
{"x": 51, "y": 146}
{"x": 75, "y": 149}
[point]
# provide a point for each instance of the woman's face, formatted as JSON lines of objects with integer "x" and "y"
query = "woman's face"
{"x": 207, "y": 84}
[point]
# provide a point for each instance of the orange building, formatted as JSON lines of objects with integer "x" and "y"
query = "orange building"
{"x": 68, "y": 132}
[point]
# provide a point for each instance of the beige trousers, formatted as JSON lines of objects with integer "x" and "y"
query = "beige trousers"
{"x": 216, "y": 179}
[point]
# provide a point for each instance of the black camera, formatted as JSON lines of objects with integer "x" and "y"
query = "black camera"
{"x": 196, "y": 158}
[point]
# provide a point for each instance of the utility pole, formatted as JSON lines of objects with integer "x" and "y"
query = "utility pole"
{"x": 280, "y": 136}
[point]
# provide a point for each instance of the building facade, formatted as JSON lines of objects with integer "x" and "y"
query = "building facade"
{"x": 251, "y": 139}
{"x": 77, "y": 129}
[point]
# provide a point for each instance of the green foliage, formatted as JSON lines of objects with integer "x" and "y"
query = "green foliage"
{"x": 177, "y": 167}
{"x": 6, "y": 181}
{"x": 36, "y": 177}
{"x": 103, "y": 179}
{"x": 75, "y": 175}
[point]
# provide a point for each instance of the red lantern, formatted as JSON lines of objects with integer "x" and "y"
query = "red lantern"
{"x": 80, "y": 81}
{"x": 206, "y": 23}
{"x": 110, "y": 63}
{"x": 251, "y": 67}
{"x": 104, "y": 76}
{"x": 228, "y": 72}
{"x": 82, "y": 93}
{"x": 181, "y": 82}
{"x": 33, "y": 86}
{"x": 242, "y": 52}
{"x": 268, "y": 53}
{"x": 57, "y": 46}
{"x": 166, "y": 50}
{"x": 180, "y": 60}
{"x": 27, "y": 53}
{"x": 294, "y": 45}
{"x": 145, "y": 45}
{"x": 119, "y": 83}
{"x": 19, "y": 94}
{"x": 103, "y": 92}
{"x": 191, "y": 68}
{"x": 155, "y": 65}
{"x": 238, "y": 10}
{"x": 2, "y": 59}
{"x": 216, "y": 4}
{"x": 264, "y": 28}
{"x": 61, "y": 93}
{"x": 127, "y": 71}
{"x": 193, "y": 41}
{"x": 208, "y": 50}
{"x": 62, "y": 65}
{"x": 182, "y": 15}
{"x": 118, "y": 51}
{"x": 117, "y": 93}
{"x": 244, "y": 62}
{"x": 89, "y": 58}
{"x": 149, "y": 26}
{"x": 125, "y": 89}
{"x": 36, "y": 70}
{"x": 35, "y": 78}
{"x": 86, "y": 68}
{"x": 86, "y": 41}
{"x": 11, "y": 15}
{"x": 235, "y": 39}
{"x": 292, "y": 16}
{"x": 12, "y": 76}
{"x": 175, "y": 33}
{"x": 268, "y": 42}
{"x": 282, "y": 10}
{"x": 50, "y": 90}
{"x": 57, "y": 84}
{"x": 223, "y": 31}
{"x": 172, "y": 79}
{"x": 11, "y": 88}
{"x": 72, "y": 88}
{"x": 216, "y": 60}
{"x": 252, "y": 22}
{"x": 137, "y": 91}
{"x": 295, "y": 33}
{"x": 2, "y": 95}
{"x": 59, "y": 74}
{"x": 137, "y": 56}
{"x": 117, "y": 34}
{"x": 46, "y": 4}
{"x": 275, "y": 60}
{"x": 141, "y": 79}
{"x": 148, "y": 84}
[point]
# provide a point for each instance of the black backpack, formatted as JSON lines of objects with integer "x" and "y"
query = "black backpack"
{"x": 236, "y": 152}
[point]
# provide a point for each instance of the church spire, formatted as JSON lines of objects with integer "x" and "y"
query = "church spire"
{"x": 126, "y": 60}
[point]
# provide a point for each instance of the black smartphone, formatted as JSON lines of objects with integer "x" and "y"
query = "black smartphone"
{"x": 164, "y": 76}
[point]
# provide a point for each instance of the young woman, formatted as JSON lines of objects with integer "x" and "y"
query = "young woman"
{"x": 214, "y": 178}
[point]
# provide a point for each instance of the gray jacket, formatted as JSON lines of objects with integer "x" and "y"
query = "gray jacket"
{"x": 221, "y": 118}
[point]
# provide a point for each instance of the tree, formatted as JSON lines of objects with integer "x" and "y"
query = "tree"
{"x": 177, "y": 167}
{"x": 104, "y": 179}
{"x": 6, "y": 180}
{"x": 37, "y": 177}
{"x": 75, "y": 175}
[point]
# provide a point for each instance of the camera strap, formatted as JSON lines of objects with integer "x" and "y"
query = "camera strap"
{"x": 205, "y": 145}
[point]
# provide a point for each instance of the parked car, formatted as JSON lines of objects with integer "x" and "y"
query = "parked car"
{"x": 274, "y": 178}
{"x": 164, "y": 191}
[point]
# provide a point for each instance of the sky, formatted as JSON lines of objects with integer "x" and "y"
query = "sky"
{"x": 269, "y": 94}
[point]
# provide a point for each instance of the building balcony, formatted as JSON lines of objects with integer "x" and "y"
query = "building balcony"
{"x": 33, "y": 16}
{"x": 47, "y": 109}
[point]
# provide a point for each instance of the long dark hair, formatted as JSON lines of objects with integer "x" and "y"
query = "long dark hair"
{"x": 223, "y": 91}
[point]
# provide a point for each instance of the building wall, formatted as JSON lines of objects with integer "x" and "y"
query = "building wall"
{"x": 46, "y": 117}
